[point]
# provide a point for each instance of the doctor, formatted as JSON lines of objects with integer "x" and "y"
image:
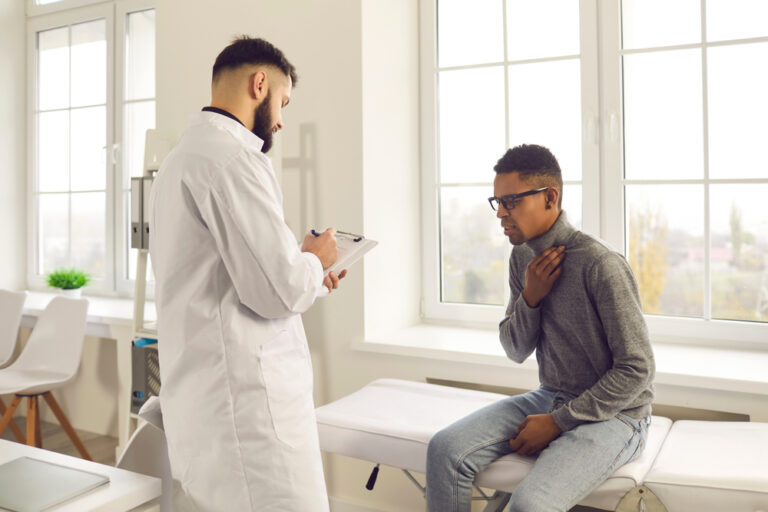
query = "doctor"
{"x": 231, "y": 283}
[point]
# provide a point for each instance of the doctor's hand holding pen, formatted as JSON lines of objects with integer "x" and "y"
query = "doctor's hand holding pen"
{"x": 323, "y": 245}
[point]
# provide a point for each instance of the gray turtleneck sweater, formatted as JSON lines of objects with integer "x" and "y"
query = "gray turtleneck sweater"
{"x": 588, "y": 332}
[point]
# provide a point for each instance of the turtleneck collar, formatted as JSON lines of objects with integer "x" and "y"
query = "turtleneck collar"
{"x": 559, "y": 234}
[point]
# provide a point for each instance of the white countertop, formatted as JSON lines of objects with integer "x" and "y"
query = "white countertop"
{"x": 125, "y": 491}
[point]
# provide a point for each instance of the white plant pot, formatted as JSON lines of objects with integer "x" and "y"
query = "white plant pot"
{"x": 74, "y": 293}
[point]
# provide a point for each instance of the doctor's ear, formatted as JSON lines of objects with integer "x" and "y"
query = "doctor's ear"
{"x": 258, "y": 85}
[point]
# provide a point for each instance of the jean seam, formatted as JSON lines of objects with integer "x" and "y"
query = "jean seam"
{"x": 460, "y": 460}
{"x": 627, "y": 423}
{"x": 610, "y": 469}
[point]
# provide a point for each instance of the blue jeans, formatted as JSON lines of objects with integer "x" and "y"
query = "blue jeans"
{"x": 571, "y": 467}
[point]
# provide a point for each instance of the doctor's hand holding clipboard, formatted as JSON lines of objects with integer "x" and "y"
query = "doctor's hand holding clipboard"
{"x": 345, "y": 249}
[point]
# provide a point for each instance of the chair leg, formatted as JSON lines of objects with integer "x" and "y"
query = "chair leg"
{"x": 38, "y": 430}
{"x": 14, "y": 428}
{"x": 34, "y": 433}
{"x": 54, "y": 405}
{"x": 31, "y": 420}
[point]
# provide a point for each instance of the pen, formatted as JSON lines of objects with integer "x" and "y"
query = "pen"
{"x": 355, "y": 238}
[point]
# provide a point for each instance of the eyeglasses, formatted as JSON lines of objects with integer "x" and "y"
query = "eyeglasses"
{"x": 509, "y": 201}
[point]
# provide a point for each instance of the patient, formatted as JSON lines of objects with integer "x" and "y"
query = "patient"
{"x": 574, "y": 301}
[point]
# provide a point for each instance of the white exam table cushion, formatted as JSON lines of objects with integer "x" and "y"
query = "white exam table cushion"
{"x": 713, "y": 465}
{"x": 391, "y": 421}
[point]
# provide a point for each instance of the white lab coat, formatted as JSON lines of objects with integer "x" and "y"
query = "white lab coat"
{"x": 231, "y": 283}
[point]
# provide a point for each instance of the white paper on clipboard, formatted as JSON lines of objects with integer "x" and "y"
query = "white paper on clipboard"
{"x": 351, "y": 248}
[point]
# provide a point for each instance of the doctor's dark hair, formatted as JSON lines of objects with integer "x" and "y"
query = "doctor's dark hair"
{"x": 251, "y": 50}
{"x": 535, "y": 164}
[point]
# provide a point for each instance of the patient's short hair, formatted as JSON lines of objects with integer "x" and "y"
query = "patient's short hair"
{"x": 252, "y": 50}
{"x": 535, "y": 164}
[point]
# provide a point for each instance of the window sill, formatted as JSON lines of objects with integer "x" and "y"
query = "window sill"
{"x": 686, "y": 366}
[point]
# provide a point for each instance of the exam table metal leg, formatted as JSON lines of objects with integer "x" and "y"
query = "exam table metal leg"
{"x": 497, "y": 502}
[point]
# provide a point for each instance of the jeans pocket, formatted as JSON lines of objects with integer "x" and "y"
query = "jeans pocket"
{"x": 639, "y": 433}
{"x": 631, "y": 423}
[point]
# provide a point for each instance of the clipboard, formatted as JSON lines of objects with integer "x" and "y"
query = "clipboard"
{"x": 351, "y": 248}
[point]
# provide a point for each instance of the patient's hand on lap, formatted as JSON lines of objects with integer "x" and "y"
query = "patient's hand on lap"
{"x": 534, "y": 434}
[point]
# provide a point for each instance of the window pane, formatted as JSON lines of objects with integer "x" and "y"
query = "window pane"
{"x": 89, "y": 137}
{"x": 738, "y": 108}
{"x": 140, "y": 55}
{"x": 53, "y": 68}
{"x": 89, "y": 63}
{"x": 53, "y": 232}
{"x": 663, "y": 115}
{"x": 89, "y": 232}
{"x": 739, "y": 253}
{"x": 471, "y": 128}
{"x": 139, "y": 117}
{"x": 666, "y": 247}
{"x": 53, "y": 151}
{"x": 532, "y": 23}
{"x": 572, "y": 204}
{"x": 652, "y": 23}
{"x": 545, "y": 109}
{"x": 736, "y": 19}
{"x": 474, "y": 250}
{"x": 470, "y": 32}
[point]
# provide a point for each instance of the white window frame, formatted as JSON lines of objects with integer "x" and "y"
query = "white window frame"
{"x": 602, "y": 179}
{"x": 35, "y": 25}
{"x": 482, "y": 315}
{"x": 695, "y": 331}
{"x": 33, "y": 9}
{"x": 123, "y": 285}
{"x": 65, "y": 13}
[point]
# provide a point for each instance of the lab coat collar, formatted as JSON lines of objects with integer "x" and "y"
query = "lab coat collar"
{"x": 559, "y": 234}
{"x": 235, "y": 128}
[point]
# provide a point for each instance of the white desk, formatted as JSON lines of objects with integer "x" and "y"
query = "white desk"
{"x": 126, "y": 491}
{"x": 108, "y": 318}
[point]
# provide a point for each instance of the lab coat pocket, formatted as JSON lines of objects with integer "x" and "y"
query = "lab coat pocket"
{"x": 287, "y": 373}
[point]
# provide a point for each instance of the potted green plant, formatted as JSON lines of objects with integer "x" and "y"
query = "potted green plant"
{"x": 68, "y": 281}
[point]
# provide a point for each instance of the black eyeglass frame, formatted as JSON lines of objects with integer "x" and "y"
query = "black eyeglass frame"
{"x": 510, "y": 199}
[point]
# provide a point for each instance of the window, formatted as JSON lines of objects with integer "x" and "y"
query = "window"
{"x": 694, "y": 110}
{"x": 498, "y": 78}
{"x": 657, "y": 130}
{"x": 77, "y": 176}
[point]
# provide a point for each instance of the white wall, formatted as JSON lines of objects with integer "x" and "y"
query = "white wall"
{"x": 357, "y": 101}
{"x": 12, "y": 144}
{"x": 358, "y": 95}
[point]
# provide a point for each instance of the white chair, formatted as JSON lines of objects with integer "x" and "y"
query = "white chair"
{"x": 49, "y": 360}
{"x": 147, "y": 452}
{"x": 11, "y": 307}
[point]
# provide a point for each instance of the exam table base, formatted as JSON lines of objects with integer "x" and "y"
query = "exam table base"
{"x": 638, "y": 499}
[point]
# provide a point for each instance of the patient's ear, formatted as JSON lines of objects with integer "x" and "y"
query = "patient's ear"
{"x": 552, "y": 197}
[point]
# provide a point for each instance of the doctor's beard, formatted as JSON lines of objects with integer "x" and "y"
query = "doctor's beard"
{"x": 262, "y": 123}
